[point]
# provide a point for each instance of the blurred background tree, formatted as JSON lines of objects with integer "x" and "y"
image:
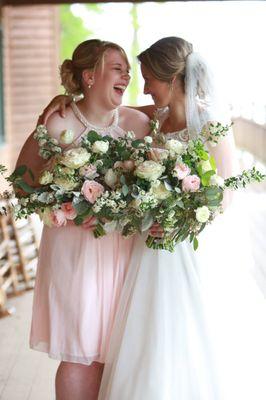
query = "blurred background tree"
{"x": 73, "y": 30}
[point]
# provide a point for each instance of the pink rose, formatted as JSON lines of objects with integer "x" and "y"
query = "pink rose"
{"x": 91, "y": 190}
{"x": 191, "y": 183}
{"x": 69, "y": 210}
{"x": 181, "y": 171}
{"x": 58, "y": 218}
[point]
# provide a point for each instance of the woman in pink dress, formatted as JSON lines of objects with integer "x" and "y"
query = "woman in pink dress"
{"x": 79, "y": 278}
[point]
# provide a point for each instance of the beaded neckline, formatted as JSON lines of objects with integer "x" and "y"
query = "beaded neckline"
{"x": 89, "y": 125}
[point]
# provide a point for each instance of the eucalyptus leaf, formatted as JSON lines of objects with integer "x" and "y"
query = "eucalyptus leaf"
{"x": 125, "y": 190}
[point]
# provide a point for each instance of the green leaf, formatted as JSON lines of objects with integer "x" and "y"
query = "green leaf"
{"x": 25, "y": 187}
{"x": 136, "y": 143}
{"x": 92, "y": 136}
{"x": 125, "y": 190}
{"x": 31, "y": 174}
{"x": 213, "y": 163}
{"x": 195, "y": 243}
{"x": 81, "y": 207}
{"x": 123, "y": 179}
{"x": 20, "y": 171}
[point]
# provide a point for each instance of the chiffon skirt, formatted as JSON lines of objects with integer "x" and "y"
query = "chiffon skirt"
{"x": 190, "y": 325}
{"x": 78, "y": 286}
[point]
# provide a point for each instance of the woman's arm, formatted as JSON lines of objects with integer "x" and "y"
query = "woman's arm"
{"x": 60, "y": 102}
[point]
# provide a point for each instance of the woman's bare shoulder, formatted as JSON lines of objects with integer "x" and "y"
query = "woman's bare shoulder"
{"x": 56, "y": 123}
{"x": 134, "y": 120}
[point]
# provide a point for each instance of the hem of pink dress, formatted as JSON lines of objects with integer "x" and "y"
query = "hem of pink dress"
{"x": 44, "y": 348}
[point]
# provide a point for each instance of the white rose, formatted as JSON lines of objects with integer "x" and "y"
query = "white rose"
{"x": 110, "y": 178}
{"x": 159, "y": 191}
{"x": 100, "y": 146}
{"x": 202, "y": 214}
{"x": 67, "y": 137}
{"x": 174, "y": 146}
{"x": 148, "y": 139}
{"x": 45, "y": 178}
{"x": 217, "y": 180}
{"x": 205, "y": 165}
{"x": 149, "y": 170}
{"x": 75, "y": 158}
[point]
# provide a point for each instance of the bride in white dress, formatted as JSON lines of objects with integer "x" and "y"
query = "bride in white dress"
{"x": 190, "y": 325}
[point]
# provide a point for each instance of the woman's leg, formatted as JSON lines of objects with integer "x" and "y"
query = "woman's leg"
{"x": 78, "y": 381}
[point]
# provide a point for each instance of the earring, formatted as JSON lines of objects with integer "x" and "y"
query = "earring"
{"x": 89, "y": 86}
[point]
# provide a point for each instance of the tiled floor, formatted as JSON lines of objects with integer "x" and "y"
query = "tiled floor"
{"x": 24, "y": 374}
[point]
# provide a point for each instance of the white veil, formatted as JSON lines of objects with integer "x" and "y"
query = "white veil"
{"x": 201, "y": 95}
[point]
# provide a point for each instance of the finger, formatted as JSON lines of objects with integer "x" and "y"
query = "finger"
{"x": 62, "y": 110}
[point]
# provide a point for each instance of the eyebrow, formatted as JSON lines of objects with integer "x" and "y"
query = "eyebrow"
{"x": 119, "y": 64}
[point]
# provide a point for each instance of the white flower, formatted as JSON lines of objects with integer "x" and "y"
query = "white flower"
{"x": 149, "y": 170}
{"x": 148, "y": 139}
{"x": 110, "y": 178}
{"x": 66, "y": 137}
{"x": 174, "y": 146}
{"x": 159, "y": 190}
{"x": 205, "y": 165}
{"x": 75, "y": 158}
{"x": 100, "y": 146}
{"x": 130, "y": 135}
{"x": 202, "y": 214}
{"x": 217, "y": 180}
{"x": 46, "y": 178}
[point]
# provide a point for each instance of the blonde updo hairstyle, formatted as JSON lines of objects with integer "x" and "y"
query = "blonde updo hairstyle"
{"x": 88, "y": 55}
{"x": 166, "y": 59}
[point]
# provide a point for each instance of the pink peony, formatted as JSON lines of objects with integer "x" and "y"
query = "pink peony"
{"x": 69, "y": 210}
{"x": 91, "y": 190}
{"x": 58, "y": 218}
{"x": 191, "y": 183}
{"x": 181, "y": 171}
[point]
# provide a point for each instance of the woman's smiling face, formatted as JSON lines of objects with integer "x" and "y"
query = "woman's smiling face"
{"x": 159, "y": 90}
{"x": 111, "y": 78}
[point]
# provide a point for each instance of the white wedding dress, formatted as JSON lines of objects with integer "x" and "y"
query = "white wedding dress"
{"x": 190, "y": 325}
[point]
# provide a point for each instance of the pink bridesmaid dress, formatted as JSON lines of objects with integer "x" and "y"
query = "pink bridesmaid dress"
{"x": 78, "y": 284}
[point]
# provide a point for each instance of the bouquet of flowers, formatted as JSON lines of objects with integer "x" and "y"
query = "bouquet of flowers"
{"x": 128, "y": 184}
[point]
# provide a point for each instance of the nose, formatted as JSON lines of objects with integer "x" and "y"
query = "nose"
{"x": 146, "y": 89}
{"x": 126, "y": 76}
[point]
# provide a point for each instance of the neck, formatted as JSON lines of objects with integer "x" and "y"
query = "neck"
{"x": 177, "y": 113}
{"x": 96, "y": 113}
